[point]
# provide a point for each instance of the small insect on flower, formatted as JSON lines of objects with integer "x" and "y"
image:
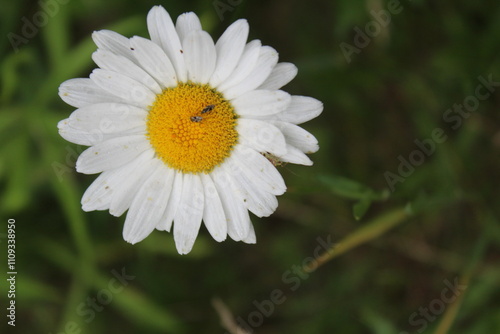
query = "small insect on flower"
{"x": 196, "y": 119}
{"x": 208, "y": 108}
{"x": 274, "y": 160}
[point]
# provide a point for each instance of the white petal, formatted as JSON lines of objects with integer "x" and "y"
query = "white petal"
{"x": 82, "y": 92}
{"x": 165, "y": 223}
{"x": 80, "y": 137}
{"x": 229, "y": 48}
{"x": 246, "y": 64}
{"x": 123, "y": 87}
{"x": 108, "y": 118}
{"x": 148, "y": 204}
{"x": 298, "y": 137}
{"x": 113, "y": 42}
{"x": 110, "y": 61}
{"x": 188, "y": 218}
{"x": 187, "y": 23}
{"x": 295, "y": 156}
{"x": 281, "y": 74}
{"x": 213, "y": 215}
{"x": 260, "y": 103}
{"x": 258, "y": 201}
{"x": 268, "y": 58}
{"x": 111, "y": 154}
{"x": 250, "y": 238}
{"x": 126, "y": 191}
{"x": 256, "y": 167}
{"x": 89, "y": 137}
{"x": 301, "y": 109}
{"x": 154, "y": 60}
{"x": 162, "y": 32}
{"x": 99, "y": 194}
{"x": 238, "y": 220}
{"x": 200, "y": 56}
{"x": 261, "y": 136}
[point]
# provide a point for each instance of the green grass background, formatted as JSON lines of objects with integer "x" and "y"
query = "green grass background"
{"x": 396, "y": 250}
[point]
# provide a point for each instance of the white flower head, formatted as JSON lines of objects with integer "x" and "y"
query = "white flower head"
{"x": 185, "y": 130}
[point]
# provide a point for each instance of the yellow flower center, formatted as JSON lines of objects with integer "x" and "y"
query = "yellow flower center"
{"x": 192, "y": 127}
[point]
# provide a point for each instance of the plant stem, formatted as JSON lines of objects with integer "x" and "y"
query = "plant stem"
{"x": 370, "y": 231}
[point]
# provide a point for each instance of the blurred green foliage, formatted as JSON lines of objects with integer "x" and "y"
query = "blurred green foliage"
{"x": 395, "y": 90}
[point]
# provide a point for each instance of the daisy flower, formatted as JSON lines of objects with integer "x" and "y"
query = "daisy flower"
{"x": 185, "y": 130}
